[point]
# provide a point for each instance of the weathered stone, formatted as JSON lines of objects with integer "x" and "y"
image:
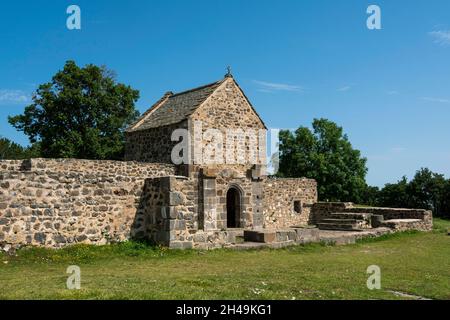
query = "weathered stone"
{"x": 40, "y": 237}
{"x": 5, "y": 185}
{"x": 264, "y": 236}
{"x": 176, "y": 198}
{"x": 81, "y": 238}
{"x": 59, "y": 239}
{"x": 181, "y": 245}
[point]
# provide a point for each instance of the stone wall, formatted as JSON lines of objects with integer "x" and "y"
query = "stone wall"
{"x": 288, "y": 202}
{"x": 152, "y": 145}
{"x": 48, "y": 202}
{"x": 53, "y": 203}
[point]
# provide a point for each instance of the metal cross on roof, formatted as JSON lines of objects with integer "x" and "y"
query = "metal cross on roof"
{"x": 229, "y": 75}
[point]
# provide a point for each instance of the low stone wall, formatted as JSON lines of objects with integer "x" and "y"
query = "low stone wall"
{"x": 323, "y": 210}
{"x": 279, "y": 202}
{"x": 396, "y": 213}
{"x": 50, "y": 202}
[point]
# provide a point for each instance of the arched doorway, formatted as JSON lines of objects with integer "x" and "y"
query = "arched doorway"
{"x": 233, "y": 208}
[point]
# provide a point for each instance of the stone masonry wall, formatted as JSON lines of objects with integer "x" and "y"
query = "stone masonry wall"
{"x": 279, "y": 198}
{"x": 171, "y": 217}
{"x": 152, "y": 145}
{"x": 48, "y": 202}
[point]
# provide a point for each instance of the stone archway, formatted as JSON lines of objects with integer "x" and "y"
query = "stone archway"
{"x": 234, "y": 208}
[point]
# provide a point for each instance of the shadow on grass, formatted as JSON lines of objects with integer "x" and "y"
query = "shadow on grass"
{"x": 85, "y": 253}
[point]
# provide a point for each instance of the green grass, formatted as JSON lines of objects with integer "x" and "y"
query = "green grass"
{"x": 413, "y": 263}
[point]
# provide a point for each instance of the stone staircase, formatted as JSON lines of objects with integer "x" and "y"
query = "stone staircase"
{"x": 346, "y": 222}
{"x": 278, "y": 238}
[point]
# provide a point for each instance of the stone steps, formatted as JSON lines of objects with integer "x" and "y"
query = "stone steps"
{"x": 339, "y": 227}
{"x": 339, "y": 221}
{"x": 351, "y": 215}
{"x": 280, "y": 237}
{"x": 346, "y": 221}
{"x": 261, "y": 245}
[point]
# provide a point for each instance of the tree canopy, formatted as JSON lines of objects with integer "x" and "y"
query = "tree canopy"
{"x": 13, "y": 151}
{"x": 427, "y": 190}
{"x": 81, "y": 113}
{"x": 326, "y": 155}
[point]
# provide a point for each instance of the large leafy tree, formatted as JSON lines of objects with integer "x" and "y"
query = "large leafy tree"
{"x": 81, "y": 113}
{"x": 395, "y": 195}
{"x": 326, "y": 155}
{"x": 427, "y": 190}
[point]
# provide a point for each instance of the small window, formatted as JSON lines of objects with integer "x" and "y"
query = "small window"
{"x": 298, "y": 206}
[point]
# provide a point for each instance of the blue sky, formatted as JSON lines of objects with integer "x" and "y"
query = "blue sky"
{"x": 296, "y": 60}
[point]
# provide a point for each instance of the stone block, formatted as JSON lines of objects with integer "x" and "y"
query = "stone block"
{"x": 170, "y": 225}
{"x": 176, "y": 198}
{"x": 210, "y": 172}
{"x": 209, "y": 183}
{"x": 5, "y": 185}
{"x": 181, "y": 245}
{"x": 169, "y": 213}
{"x": 264, "y": 236}
{"x": 199, "y": 238}
{"x": 180, "y": 225}
{"x": 258, "y": 171}
{"x": 307, "y": 235}
{"x": 164, "y": 237}
{"x": 377, "y": 220}
{"x": 40, "y": 237}
{"x": 210, "y": 225}
{"x": 209, "y": 193}
{"x": 168, "y": 183}
{"x": 59, "y": 239}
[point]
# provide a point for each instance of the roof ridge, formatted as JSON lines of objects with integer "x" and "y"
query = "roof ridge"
{"x": 155, "y": 106}
{"x": 198, "y": 88}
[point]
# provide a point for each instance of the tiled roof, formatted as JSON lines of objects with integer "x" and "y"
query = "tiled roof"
{"x": 174, "y": 108}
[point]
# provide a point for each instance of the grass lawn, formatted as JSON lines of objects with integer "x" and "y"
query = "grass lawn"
{"x": 413, "y": 263}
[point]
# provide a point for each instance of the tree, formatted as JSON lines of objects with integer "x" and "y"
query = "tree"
{"x": 427, "y": 189}
{"x": 81, "y": 113}
{"x": 395, "y": 195}
{"x": 326, "y": 155}
{"x": 446, "y": 200}
{"x": 13, "y": 151}
{"x": 370, "y": 196}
